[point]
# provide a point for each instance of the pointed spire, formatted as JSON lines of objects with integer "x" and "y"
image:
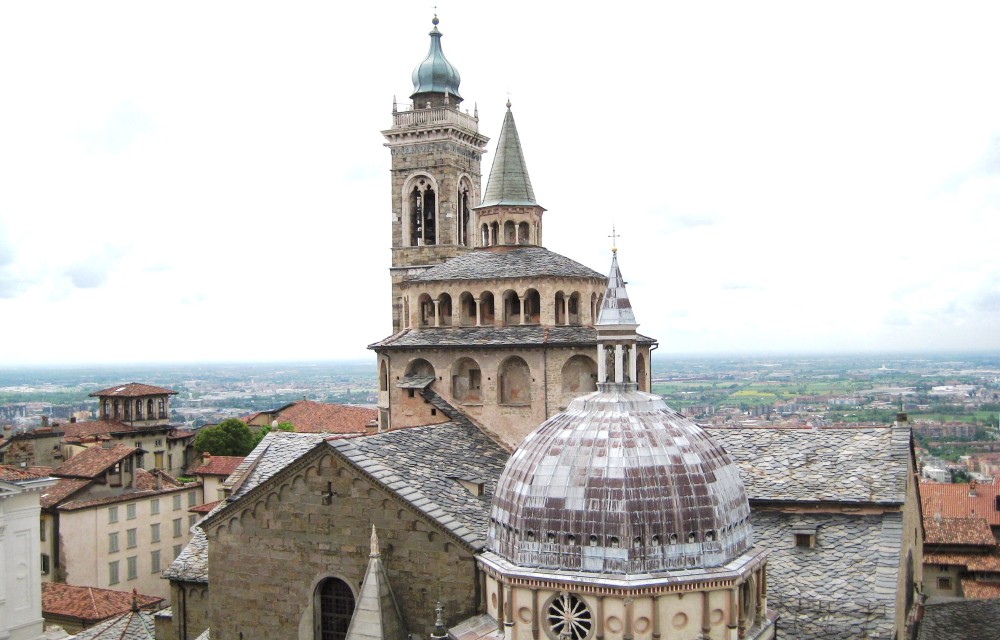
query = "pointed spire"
{"x": 616, "y": 308}
{"x": 376, "y": 614}
{"x": 509, "y": 182}
{"x": 135, "y": 600}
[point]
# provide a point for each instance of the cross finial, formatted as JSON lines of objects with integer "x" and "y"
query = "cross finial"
{"x": 614, "y": 239}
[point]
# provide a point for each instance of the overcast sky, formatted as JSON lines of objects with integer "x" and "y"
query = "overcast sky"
{"x": 206, "y": 180}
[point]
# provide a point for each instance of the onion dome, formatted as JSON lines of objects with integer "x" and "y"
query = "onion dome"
{"x": 619, "y": 482}
{"x": 435, "y": 74}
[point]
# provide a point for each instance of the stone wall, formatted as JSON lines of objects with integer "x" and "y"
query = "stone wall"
{"x": 190, "y": 611}
{"x": 314, "y": 521}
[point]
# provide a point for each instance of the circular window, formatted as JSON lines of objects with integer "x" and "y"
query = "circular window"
{"x": 568, "y": 617}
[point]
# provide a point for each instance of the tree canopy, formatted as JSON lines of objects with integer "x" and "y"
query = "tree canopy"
{"x": 231, "y": 437}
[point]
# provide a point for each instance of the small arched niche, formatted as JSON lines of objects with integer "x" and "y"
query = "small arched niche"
{"x": 514, "y": 381}
{"x": 467, "y": 381}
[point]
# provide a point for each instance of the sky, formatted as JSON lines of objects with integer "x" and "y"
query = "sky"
{"x": 206, "y": 181}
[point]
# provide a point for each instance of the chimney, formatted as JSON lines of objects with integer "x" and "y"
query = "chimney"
{"x": 972, "y": 488}
{"x": 206, "y": 457}
{"x": 45, "y": 421}
{"x": 372, "y": 426}
{"x": 901, "y": 417}
{"x": 159, "y": 479}
{"x": 72, "y": 419}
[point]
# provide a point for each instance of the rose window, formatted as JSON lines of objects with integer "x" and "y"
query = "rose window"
{"x": 569, "y": 618}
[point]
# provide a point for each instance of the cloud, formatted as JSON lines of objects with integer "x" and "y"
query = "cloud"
{"x": 94, "y": 272}
{"x": 120, "y": 131}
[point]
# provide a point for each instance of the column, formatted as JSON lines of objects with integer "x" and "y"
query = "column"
{"x": 602, "y": 363}
{"x": 633, "y": 368}
{"x": 706, "y": 614}
{"x": 566, "y": 310}
{"x": 628, "y": 619}
{"x": 479, "y": 312}
{"x": 619, "y": 363}
{"x": 437, "y": 313}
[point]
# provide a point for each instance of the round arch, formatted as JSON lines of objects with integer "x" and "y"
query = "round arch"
{"x": 333, "y": 608}
{"x": 579, "y": 375}
{"x": 467, "y": 381}
{"x": 514, "y": 381}
{"x": 420, "y": 368}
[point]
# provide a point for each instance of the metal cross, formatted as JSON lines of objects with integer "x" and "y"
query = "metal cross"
{"x": 614, "y": 239}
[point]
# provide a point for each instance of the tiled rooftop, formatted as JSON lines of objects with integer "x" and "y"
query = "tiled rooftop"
{"x": 132, "y": 625}
{"x": 839, "y": 465}
{"x": 133, "y": 390}
{"x": 514, "y": 336}
{"x": 506, "y": 262}
{"x": 957, "y": 531}
{"x": 216, "y": 466}
{"x": 322, "y": 417}
{"x": 89, "y": 603}
{"x": 93, "y": 461}
{"x": 961, "y": 620}
{"x": 954, "y": 501}
{"x": 984, "y": 562}
{"x": 61, "y": 490}
{"x": 420, "y": 464}
{"x": 980, "y": 590}
{"x": 14, "y": 473}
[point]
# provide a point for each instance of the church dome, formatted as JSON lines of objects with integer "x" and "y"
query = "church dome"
{"x": 435, "y": 74}
{"x": 620, "y": 483}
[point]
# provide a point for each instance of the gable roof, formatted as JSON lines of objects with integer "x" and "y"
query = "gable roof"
{"x": 324, "y": 417}
{"x": 954, "y": 501}
{"x": 93, "y": 461}
{"x": 88, "y": 603}
{"x": 78, "y": 430}
{"x": 63, "y": 489}
{"x": 217, "y": 466}
{"x": 133, "y": 390}
{"x": 14, "y": 473}
{"x": 866, "y": 465}
{"x": 506, "y": 262}
{"x": 192, "y": 563}
{"x": 420, "y": 464}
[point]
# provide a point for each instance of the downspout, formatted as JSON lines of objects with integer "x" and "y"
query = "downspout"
{"x": 545, "y": 371}
{"x": 649, "y": 370}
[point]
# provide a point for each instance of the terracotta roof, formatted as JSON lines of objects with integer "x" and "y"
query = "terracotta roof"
{"x": 89, "y": 603}
{"x": 979, "y": 590}
{"x": 14, "y": 473}
{"x": 180, "y": 434}
{"x": 93, "y": 428}
{"x": 321, "y": 417}
{"x": 217, "y": 466}
{"x": 954, "y": 501}
{"x": 61, "y": 490}
{"x": 204, "y": 508}
{"x": 125, "y": 496}
{"x": 986, "y": 562}
{"x": 147, "y": 480}
{"x": 133, "y": 390}
{"x": 93, "y": 462}
{"x": 960, "y": 531}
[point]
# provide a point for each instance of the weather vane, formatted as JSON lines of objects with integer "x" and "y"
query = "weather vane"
{"x": 614, "y": 239}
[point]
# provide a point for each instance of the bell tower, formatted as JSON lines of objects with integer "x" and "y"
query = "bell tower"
{"x": 436, "y": 152}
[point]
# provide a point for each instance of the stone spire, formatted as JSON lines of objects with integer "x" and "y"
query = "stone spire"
{"x": 509, "y": 182}
{"x": 616, "y": 332}
{"x": 376, "y": 615}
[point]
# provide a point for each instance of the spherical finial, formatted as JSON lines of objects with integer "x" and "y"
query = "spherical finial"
{"x": 508, "y": 103}
{"x": 435, "y": 21}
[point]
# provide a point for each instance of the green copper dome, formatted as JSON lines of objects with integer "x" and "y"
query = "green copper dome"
{"x": 435, "y": 74}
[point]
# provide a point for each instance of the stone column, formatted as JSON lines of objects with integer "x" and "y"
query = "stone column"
{"x": 628, "y": 619}
{"x": 479, "y": 312}
{"x": 437, "y": 312}
{"x": 599, "y": 627}
{"x": 733, "y": 607}
{"x": 602, "y": 363}
{"x": 566, "y": 310}
{"x": 619, "y": 363}
{"x": 633, "y": 370}
{"x": 656, "y": 618}
{"x": 706, "y": 613}
{"x": 508, "y": 611}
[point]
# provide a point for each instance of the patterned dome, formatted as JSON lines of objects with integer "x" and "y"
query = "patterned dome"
{"x": 435, "y": 74}
{"x": 620, "y": 483}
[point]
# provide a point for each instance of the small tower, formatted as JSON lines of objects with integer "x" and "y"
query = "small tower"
{"x": 616, "y": 333}
{"x": 508, "y": 214}
{"x": 436, "y": 154}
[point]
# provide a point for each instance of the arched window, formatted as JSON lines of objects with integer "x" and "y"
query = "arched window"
{"x": 464, "y": 214}
{"x": 532, "y": 307}
{"x": 466, "y": 381}
{"x": 573, "y": 309}
{"x": 334, "y": 606}
{"x": 514, "y": 378}
{"x": 426, "y": 308}
{"x": 522, "y": 233}
{"x": 444, "y": 308}
{"x": 420, "y": 368}
{"x": 593, "y": 308}
{"x": 494, "y": 233}
{"x": 149, "y": 409}
{"x": 640, "y": 372}
{"x": 466, "y": 310}
{"x": 422, "y": 206}
{"x": 487, "y": 312}
{"x": 579, "y": 375}
{"x": 511, "y": 308}
{"x": 161, "y": 408}
{"x": 560, "y": 308}
{"x": 485, "y": 233}
{"x": 509, "y": 232}
{"x": 138, "y": 409}
{"x": 383, "y": 376}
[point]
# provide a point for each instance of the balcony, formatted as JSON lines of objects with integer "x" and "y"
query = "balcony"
{"x": 433, "y": 116}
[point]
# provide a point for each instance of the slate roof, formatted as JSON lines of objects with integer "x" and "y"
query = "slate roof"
{"x": 616, "y": 308}
{"x": 93, "y": 462}
{"x": 132, "y": 390}
{"x": 506, "y": 262}
{"x": 960, "y": 620}
{"x": 192, "y": 563}
{"x": 479, "y": 337}
{"x": 417, "y": 464}
{"x": 89, "y": 603}
{"x": 323, "y": 417}
{"x": 206, "y": 635}
{"x": 866, "y": 465}
{"x": 954, "y": 501}
{"x": 843, "y": 588}
{"x": 217, "y": 466}
{"x": 958, "y": 531}
{"x": 132, "y": 625}
{"x": 276, "y": 451}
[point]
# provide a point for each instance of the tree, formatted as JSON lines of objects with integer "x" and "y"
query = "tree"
{"x": 266, "y": 429}
{"x": 231, "y": 437}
